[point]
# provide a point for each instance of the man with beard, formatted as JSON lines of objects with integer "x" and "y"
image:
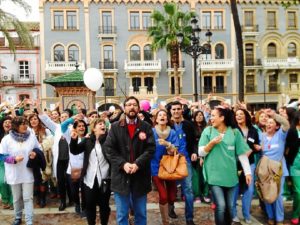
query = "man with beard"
{"x": 130, "y": 145}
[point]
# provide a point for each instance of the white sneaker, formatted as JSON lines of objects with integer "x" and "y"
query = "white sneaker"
{"x": 236, "y": 220}
{"x": 248, "y": 221}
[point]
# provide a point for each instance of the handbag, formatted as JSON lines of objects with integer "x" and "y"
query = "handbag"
{"x": 173, "y": 167}
{"x": 75, "y": 174}
{"x": 269, "y": 173}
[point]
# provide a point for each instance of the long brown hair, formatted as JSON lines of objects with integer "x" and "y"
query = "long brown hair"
{"x": 169, "y": 123}
{"x": 40, "y": 132}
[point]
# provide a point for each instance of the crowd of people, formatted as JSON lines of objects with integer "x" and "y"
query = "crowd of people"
{"x": 86, "y": 156}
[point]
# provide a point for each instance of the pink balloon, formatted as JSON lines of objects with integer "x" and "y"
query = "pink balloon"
{"x": 145, "y": 105}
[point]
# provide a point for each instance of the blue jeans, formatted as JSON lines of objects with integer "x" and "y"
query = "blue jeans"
{"x": 246, "y": 199}
{"x": 138, "y": 204}
{"x": 223, "y": 198}
{"x": 23, "y": 197}
{"x": 186, "y": 185}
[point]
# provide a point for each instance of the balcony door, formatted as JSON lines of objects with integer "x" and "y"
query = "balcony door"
{"x": 208, "y": 84}
{"x": 149, "y": 84}
{"x": 249, "y": 54}
{"x": 109, "y": 86}
{"x": 108, "y": 57}
{"x": 136, "y": 83}
{"x": 173, "y": 85}
{"x": 220, "y": 87}
{"x": 107, "y": 22}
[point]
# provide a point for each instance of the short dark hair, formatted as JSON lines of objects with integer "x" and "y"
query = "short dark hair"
{"x": 130, "y": 98}
{"x": 17, "y": 122}
{"x": 175, "y": 103}
{"x": 69, "y": 112}
{"x": 76, "y": 123}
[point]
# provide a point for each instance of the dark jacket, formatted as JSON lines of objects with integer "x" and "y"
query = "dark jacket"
{"x": 292, "y": 146}
{"x": 252, "y": 139}
{"x": 86, "y": 146}
{"x": 189, "y": 130}
{"x": 118, "y": 146}
{"x": 37, "y": 164}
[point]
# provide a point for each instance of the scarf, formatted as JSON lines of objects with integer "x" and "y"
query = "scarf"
{"x": 18, "y": 137}
{"x": 162, "y": 134}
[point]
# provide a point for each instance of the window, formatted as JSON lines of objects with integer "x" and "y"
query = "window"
{"x": 148, "y": 54}
{"x": 292, "y": 22}
{"x": 149, "y": 84}
{"x": 59, "y": 53}
{"x": 58, "y": 20}
{"x": 249, "y": 55}
{"x": 109, "y": 86}
{"x": 250, "y": 87}
{"x": 208, "y": 51}
{"x": 136, "y": 83}
{"x": 73, "y": 53}
{"x": 272, "y": 50}
{"x": 173, "y": 85}
{"x": 293, "y": 78}
{"x": 218, "y": 20}
{"x": 249, "y": 19}
{"x": 134, "y": 21}
{"x": 219, "y": 88}
{"x": 208, "y": 84}
{"x": 206, "y": 20}
{"x": 23, "y": 97}
{"x": 71, "y": 20}
{"x": 107, "y": 22}
{"x": 271, "y": 19}
{"x": 273, "y": 87}
{"x": 146, "y": 20}
{"x": 219, "y": 51}
{"x": 108, "y": 57}
{"x": 135, "y": 54}
{"x": 292, "y": 50}
{"x": 24, "y": 69}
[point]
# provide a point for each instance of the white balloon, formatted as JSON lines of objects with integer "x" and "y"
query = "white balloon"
{"x": 93, "y": 79}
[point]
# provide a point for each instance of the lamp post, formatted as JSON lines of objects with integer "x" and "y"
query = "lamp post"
{"x": 194, "y": 49}
{"x": 264, "y": 87}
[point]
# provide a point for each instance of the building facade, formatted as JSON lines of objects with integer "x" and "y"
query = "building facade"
{"x": 112, "y": 36}
{"x": 20, "y": 72}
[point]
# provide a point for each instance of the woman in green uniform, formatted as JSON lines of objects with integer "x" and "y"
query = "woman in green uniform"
{"x": 220, "y": 144}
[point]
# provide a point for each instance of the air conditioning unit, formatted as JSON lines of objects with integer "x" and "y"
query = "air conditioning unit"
{"x": 6, "y": 77}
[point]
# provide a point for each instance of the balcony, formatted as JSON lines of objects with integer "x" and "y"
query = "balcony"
{"x": 287, "y": 63}
{"x": 253, "y": 63}
{"x": 294, "y": 88}
{"x": 216, "y": 64}
{"x": 215, "y": 89}
{"x": 274, "y": 88}
{"x": 108, "y": 66}
{"x": 250, "y": 29}
{"x": 17, "y": 80}
{"x": 250, "y": 89}
{"x": 143, "y": 91}
{"x": 63, "y": 67}
{"x": 170, "y": 66}
{"x": 172, "y": 90}
{"x": 142, "y": 66}
{"x": 109, "y": 91}
{"x": 107, "y": 32}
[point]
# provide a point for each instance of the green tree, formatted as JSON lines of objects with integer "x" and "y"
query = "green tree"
{"x": 164, "y": 32}
{"x": 10, "y": 22}
{"x": 239, "y": 42}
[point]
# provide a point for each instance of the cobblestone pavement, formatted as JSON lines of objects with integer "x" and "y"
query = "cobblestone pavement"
{"x": 203, "y": 214}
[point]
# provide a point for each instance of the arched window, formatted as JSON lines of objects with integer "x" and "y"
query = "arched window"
{"x": 135, "y": 53}
{"x": 59, "y": 53}
{"x": 292, "y": 50}
{"x": 219, "y": 49}
{"x": 272, "y": 50}
{"x": 148, "y": 54}
{"x": 73, "y": 53}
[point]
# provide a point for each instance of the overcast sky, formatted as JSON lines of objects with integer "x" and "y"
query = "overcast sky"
{"x": 19, "y": 12}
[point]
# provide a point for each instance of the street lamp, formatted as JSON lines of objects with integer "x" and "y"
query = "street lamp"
{"x": 264, "y": 88}
{"x": 195, "y": 49}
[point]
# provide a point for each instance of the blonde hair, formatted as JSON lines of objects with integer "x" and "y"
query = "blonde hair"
{"x": 94, "y": 123}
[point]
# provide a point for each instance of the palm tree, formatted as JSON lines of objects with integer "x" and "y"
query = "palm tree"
{"x": 239, "y": 42}
{"x": 10, "y": 22}
{"x": 164, "y": 32}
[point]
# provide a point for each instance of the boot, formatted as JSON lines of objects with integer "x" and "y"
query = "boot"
{"x": 164, "y": 214}
{"x": 172, "y": 213}
{"x": 62, "y": 205}
{"x": 43, "y": 192}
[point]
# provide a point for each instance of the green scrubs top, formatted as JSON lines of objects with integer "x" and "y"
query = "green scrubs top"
{"x": 220, "y": 166}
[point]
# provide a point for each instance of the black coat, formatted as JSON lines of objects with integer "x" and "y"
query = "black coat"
{"x": 191, "y": 141}
{"x": 118, "y": 146}
{"x": 86, "y": 146}
{"x": 37, "y": 164}
{"x": 292, "y": 146}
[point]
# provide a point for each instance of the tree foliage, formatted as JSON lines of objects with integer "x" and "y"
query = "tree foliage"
{"x": 9, "y": 22}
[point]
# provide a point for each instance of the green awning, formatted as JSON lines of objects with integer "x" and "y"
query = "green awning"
{"x": 72, "y": 79}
